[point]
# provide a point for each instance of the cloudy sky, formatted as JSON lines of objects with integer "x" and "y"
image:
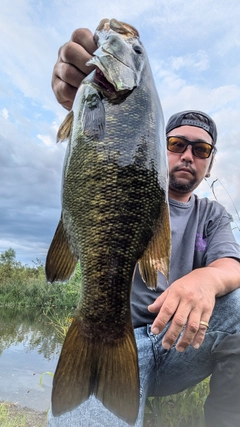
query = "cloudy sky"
{"x": 194, "y": 51}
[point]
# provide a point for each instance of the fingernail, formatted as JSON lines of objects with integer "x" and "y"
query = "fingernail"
{"x": 180, "y": 349}
{"x": 155, "y": 330}
{"x": 196, "y": 346}
{"x": 166, "y": 346}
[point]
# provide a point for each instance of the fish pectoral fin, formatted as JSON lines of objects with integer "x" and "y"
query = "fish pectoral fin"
{"x": 157, "y": 254}
{"x": 60, "y": 262}
{"x": 91, "y": 365}
{"x": 93, "y": 116}
{"x": 65, "y": 128}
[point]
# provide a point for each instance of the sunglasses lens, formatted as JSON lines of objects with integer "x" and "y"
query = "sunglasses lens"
{"x": 176, "y": 145}
{"x": 202, "y": 149}
{"x": 179, "y": 145}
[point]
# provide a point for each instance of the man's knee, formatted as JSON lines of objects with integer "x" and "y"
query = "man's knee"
{"x": 222, "y": 407}
{"x": 226, "y": 314}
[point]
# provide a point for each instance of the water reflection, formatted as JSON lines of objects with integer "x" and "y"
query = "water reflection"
{"x": 30, "y": 326}
{"x": 30, "y": 345}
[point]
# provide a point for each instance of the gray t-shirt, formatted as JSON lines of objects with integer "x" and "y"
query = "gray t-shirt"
{"x": 201, "y": 233}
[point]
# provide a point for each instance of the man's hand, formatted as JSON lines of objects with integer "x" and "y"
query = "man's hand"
{"x": 71, "y": 68}
{"x": 191, "y": 300}
{"x": 186, "y": 302}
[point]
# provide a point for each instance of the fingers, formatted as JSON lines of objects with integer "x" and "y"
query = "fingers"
{"x": 193, "y": 331}
{"x": 167, "y": 311}
{"x": 200, "y": 335}
{"x": 64, "y": 93}
{"x": 65, "y": 82}
{"x": 184, "y": 315}
{"x": 76, "y": 55}
{"x": 84, "y": 38}
{"x": 71, "y": 68}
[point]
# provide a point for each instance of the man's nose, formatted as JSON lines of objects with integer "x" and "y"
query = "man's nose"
{"x": 188, "y": 154}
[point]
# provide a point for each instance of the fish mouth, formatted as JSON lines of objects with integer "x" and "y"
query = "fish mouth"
{"x": 100, "y": 80}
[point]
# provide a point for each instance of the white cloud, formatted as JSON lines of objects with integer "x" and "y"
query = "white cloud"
{"x": 46, "y": 139}
{"x": 198, "y": 61}
{"x": 5, "y": 113}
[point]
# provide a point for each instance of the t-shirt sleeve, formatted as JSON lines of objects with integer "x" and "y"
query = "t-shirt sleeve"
{"x": 219, "y": 237}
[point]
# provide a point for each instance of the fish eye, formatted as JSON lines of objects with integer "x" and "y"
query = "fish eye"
{"x": 137, "y": 49}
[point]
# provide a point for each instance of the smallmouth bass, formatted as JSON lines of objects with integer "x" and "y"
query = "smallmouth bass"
{"x": 114, "y": 214}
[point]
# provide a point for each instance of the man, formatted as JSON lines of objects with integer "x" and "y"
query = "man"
{"x": 190, "y": 328}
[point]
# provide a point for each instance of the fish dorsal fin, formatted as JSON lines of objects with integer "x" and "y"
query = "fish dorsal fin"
{"x": 65, "y": 128}
{"x": 61, "y": 261}
{"x": 157, "y": 254}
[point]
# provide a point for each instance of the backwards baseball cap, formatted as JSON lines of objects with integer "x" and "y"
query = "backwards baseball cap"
{"x": 193, "y": 118}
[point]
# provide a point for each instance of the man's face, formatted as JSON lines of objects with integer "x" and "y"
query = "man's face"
{"x": 186, "y": 171}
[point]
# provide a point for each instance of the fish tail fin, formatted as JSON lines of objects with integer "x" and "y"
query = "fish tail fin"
{"x": 109, "y": 370}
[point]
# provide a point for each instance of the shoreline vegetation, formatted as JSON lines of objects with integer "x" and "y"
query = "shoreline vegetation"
{"x": 13, "y": 415}
{"x": 22, "y": 287}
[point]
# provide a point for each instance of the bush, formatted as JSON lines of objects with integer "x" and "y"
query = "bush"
{"x": 184, "y": 409}
{"x": 24, "y": 286}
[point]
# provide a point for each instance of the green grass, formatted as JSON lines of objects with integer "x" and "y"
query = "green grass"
{"x": 8, "y": 421}
{"x": 184, "y": 409}
{"x": 12, "y": 415}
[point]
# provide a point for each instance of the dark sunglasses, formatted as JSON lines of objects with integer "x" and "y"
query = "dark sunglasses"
{"x": 179, "y": 144}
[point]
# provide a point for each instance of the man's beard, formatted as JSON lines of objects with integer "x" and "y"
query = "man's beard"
{"x": 176, "y": 184}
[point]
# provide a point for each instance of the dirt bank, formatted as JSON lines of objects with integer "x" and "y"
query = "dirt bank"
{"x": 33, "y": 418}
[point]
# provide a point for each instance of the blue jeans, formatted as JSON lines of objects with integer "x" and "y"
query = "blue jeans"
{"x": 164, "y": 372}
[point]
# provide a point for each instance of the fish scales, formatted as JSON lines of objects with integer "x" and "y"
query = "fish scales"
{"x": 114, "y": 213}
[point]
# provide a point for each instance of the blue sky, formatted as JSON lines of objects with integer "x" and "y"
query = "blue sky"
{"x": 194, "y": 50}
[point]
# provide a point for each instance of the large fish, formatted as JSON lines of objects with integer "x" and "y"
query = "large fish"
{"x": 114, "y": 213}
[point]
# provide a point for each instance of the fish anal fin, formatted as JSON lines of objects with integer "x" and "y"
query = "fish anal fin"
{"x": 157, "y": 254}
{"x": 64, "y": 130}
{"x": 61, "y": 261}
{"x": 109, "y": 370}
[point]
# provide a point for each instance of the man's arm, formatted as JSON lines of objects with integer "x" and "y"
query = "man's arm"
{"x": 70, "y": 68}
{"x": 191, "y": 299}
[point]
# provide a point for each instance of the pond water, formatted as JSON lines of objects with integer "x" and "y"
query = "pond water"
{"x": 29, "y": 346}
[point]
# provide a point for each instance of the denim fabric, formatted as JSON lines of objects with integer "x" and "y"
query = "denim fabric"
{"x": 163, "y": 372}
